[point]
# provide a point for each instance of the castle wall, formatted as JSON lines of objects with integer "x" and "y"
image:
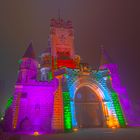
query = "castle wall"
{"x": 35, "y": 108}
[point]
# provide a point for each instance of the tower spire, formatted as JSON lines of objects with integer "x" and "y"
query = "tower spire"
{"x": 104, "y": 57}
{"x": 59, "y": 17}
{"x": 29, "y": 51}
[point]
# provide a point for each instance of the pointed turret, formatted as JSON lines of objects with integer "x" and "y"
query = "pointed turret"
{"x": 104, "y": 58}
{"x": 29, "y": 53}
{"x": 28, "y": 66}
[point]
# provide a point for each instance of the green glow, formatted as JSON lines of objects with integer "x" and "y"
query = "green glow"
{"x": 65, "y": 74}
{"x": 9, "y": 102}
{"x": 0, "y": 116}
{"x": 108, "y": 76}
{"x": 118, "y": 109}
{"x": 50, "y": 75}
{"x": 67, "y": 112}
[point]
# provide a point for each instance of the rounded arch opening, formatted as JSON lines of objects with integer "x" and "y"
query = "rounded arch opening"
{"x": 88, "y": 107}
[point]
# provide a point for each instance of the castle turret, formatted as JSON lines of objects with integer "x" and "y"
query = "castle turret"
{"x": 28, "y": 66}
{"x": 104, "y": 58}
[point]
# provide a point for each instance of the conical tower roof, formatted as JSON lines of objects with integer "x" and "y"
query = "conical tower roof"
{"x": 29, "y": 53}
{"x": 104, "y": 58}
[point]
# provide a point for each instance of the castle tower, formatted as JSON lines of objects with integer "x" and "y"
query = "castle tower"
{"x": 28, "y": 66}
{"x": 27, "y": 74}
{"x": 62, "y": 44}
{"x": 33, "y": 100}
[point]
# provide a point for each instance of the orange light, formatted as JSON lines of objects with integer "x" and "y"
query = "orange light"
{"x": 75, "y": 129}
{"x": 58, "y": 107}
{"x": 36, "y": 133}
{"x": 113, "y": 127}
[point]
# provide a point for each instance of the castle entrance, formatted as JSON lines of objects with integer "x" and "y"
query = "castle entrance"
{"x": 88, "y": 108}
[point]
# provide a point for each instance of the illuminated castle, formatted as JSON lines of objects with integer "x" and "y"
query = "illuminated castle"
{"x": 59, "y": 93}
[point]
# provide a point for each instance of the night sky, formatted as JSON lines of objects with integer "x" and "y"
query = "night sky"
{"x": 112, "y": 23}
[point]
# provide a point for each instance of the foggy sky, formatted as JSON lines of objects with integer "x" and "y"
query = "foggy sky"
{"x": 112, "y": 23}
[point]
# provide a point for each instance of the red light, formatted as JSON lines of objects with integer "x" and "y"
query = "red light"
{"x": 66, "y": 63}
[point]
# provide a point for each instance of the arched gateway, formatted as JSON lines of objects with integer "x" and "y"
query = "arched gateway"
{"x": 69, "y": 94}
{"x": 101, "y": 105}
{"x": 88, "y": 108}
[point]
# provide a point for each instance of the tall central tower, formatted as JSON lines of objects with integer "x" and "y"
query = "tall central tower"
{"x": 62, "y": 43}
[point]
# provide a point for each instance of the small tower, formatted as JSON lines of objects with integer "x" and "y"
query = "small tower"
{"x": 45, "y": 66}
{"x": 28, "y": 66}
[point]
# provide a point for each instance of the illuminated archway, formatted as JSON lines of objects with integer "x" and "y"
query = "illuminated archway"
{"x": 110, "y": 119}
{"x": 88, "y": 108}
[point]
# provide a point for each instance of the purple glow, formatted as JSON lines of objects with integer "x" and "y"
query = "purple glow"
{"x": 129, "y": 114}
{"x": 33, "y": 100}
{"x": 36, "y": 108}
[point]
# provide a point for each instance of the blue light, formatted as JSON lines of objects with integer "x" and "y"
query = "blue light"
{"x": 74, "y": 122}
{"x": 79, "y": 95}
